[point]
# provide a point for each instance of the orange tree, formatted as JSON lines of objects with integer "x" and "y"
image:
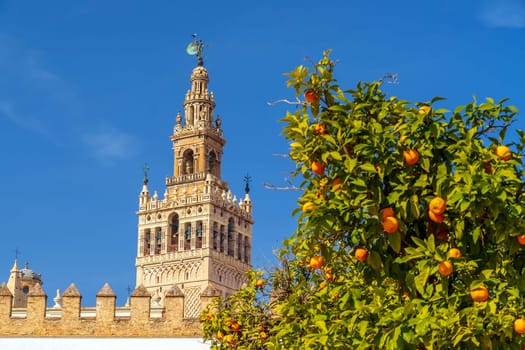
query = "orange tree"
{"x": 410, "y": 228}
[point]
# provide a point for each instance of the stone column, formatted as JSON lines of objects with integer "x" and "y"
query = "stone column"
{"x": 140, "y": 304}
{"x": 71, "y": 303}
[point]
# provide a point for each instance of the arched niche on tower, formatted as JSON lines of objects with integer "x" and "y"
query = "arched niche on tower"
{"x": 239, "y": 246}
{"x": 187, "y": 236}
{"x": 215, "y": 236}
{"x": 247, "y": 249}
{"x": 212, "y": 162}
{"x": 188, "y": 162}
{"x": 231, "y": 237}
{"x": 199, "y": 233}
{"x": 147, "y": 242}
{"x": 173, "y": 232}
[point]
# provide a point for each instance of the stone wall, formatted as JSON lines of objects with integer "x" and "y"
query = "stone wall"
{"x": 70, "y": 320}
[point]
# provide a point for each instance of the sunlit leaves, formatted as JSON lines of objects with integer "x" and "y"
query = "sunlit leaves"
{"x": 396, "y": 298}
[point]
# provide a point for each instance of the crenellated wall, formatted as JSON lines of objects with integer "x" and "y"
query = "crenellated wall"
{"x": 71, "y": 320}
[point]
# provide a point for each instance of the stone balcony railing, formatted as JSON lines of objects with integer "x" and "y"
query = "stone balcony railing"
{"x": 173, "y": 180}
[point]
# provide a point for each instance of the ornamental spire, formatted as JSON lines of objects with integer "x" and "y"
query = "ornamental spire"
{"x": 195, "y": 48}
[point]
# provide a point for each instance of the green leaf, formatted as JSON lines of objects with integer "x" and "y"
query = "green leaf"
{"x": 421, "y": 280}
{"x": 368, "y": 167}
{"x": 414, "y": 206}
{"x": 374, "y": 260}
{"x": 394, "y": 240}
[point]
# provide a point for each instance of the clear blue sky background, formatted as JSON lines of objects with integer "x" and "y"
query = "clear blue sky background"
{"x": 89, "y": 91}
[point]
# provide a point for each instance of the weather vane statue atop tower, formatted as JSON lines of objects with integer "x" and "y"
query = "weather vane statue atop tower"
{"x": 195, "y": 48}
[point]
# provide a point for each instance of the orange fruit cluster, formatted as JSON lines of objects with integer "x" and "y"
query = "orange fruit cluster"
{"x": 445, "y": 268}
{"x": 436, "y": 209}
{"x": 317, "y": 168}
{"x": 519, "y": 326}
{"x": 504, "y": 153}
{"x": 320, "y": 129}
{"x": 316, "y": 262}
{"x": 361, "y": 254}
{"x": 454, "y": 253}
{"x": 479, "y": 294}
{"x": 424, "y": 110}
{"x": 388, "y": 220}
{"x": 411, "y": 156}
{"x": 310, "y": 96}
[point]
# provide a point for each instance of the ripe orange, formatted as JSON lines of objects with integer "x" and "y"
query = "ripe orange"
{"x": 317, "y": 167}
{"x": 308, "y": 206}
{"x": 361, "y": 254}
{"x": 445, "y": 268}
{"x": 235, "y": 326}
{"x": 219, "y": 335}
{"x": 336, "y": 185}
{"x": 316, "y": 262}
{"x": 454, "y": 253}
{"x": 311, "y": 97}
{"x": 479, "y": 294}
{"x": 406, "y": 294}
{"x": 503, "y": 152}
{"x": 322, "y": 285}
{"x": 437, "y": 205}
{"x": 329, "y": 276}
{"x": 521, "y": 239}
{"x": 320, "y": 129}
{"x": 386, "y": 212}
{"x": 424, "y": 110}
{"x": 519, "y": 326}
{"x": 390, "y": 224}
{"x": 263, "y": 335}
{"x": 259, "y": 283}
{"x": 411, "y": 156}
{"x": 435, "y": 217}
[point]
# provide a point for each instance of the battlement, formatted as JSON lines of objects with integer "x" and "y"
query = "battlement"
{"x": 69, "y": 319}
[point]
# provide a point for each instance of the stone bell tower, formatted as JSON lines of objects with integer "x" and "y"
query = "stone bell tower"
{"x": 199, "y": 235}
{"x": 20, "y": 283}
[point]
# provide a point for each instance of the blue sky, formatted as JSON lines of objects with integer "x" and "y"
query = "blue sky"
{"x": 89, "y": 91}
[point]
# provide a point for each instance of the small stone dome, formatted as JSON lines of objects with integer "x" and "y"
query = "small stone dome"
{"x": 26, "y": 272}
{"x": 199, "y": 73}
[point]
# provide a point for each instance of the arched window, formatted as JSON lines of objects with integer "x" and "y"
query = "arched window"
{"x": 215, "y": 236}
{"x": 158, "y": 240}
{"x": 174, "y": 233}
{"x": 187, "y": 236}
{"x": 198, "y": 233}
{"x": 247, "y": 248}
{"x": 231, "y": 246}
{"x": 212, "y": 160}
{"x": 187, "y": 163}
{"x": 222, "y": 239}
{"x": 239, "y": 246}
{"x": 147, "y": 241}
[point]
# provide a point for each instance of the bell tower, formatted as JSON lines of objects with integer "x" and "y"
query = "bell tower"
{"x": 199, "y": 235}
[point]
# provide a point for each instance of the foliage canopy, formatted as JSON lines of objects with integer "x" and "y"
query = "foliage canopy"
{"x": 410, "y": 228}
